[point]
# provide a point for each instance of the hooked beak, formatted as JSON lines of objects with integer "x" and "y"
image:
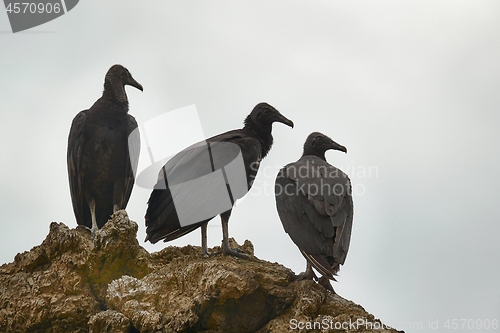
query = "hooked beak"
{"x": 132, "y": 82}
{"x": 282, "y": 119}
{"x": 335, "y": 146}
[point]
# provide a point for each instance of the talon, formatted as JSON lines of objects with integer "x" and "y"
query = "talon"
{"x": 89, "y": 230}
{"x": 83, "y": 227}
{"x": 236, "y": 253}
{"x": 325, "y": 282}
{"x": 93, "y": 233}
{"x": 307, "y": 275}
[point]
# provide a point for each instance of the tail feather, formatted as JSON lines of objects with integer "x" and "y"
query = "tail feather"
{"x": 161, "y": 217}
{"x": 321, "y": 264}
{"x": 162, "y": 221}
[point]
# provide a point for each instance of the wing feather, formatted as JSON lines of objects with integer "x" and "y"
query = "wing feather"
{"x": 134, "y": 147}
{"x": 76, "y": 141}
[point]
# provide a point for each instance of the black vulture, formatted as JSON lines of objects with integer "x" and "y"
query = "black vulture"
{"x": 314, "y": 203}
{"x": 101, "y": 155}
{"x": 201, "y": 181}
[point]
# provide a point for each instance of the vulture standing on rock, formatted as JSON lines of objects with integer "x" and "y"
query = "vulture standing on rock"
{"x": 314, "y": 203}
{"x": 101, "y": 156}
{"x": 205, "y": 179}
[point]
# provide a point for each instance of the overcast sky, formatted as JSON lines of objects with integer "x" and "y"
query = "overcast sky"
{"x": 411, "y": 89}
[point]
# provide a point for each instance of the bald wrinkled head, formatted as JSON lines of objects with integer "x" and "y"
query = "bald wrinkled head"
{"x": 115, "y": 81}
{"x": 264, "y": 115}
{"x": 119, "y": 75}
{"x": 317, "y": 144}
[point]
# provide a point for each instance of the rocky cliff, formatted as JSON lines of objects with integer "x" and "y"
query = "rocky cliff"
{"x": 72, "y": 283}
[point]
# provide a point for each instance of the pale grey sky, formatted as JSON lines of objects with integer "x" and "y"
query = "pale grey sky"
{"x": 410, "y": 88}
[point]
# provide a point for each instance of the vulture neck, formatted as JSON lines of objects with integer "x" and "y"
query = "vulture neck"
{"x": 115, "y": 92}
{"x": 114, "y": 102}
{"x": 311, "y": 152}
{"x": 262, "y": 132}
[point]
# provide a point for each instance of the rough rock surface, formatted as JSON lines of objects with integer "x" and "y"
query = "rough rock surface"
{"x": 72, "y": 283}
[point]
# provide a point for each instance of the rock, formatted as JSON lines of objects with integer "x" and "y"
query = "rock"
{"x": 60, "y": 284}
{"x": 109, "y": 321}
{"x": 221, "y": 293}
{"x": 71, "y": 283}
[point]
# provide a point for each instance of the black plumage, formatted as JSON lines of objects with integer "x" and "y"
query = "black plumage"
{"x": 254, "y": 141}
{"x": 100, "y": 167}
{"x": 314, "y": 203}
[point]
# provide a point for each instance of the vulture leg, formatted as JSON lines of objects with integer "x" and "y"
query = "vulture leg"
{"x": 94, "y": 222}
{"x": 308, "y": 274}
{"x": 325, "y": 282}
{"x": 225, "y": 238}
{"x": 204, "y": 249}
